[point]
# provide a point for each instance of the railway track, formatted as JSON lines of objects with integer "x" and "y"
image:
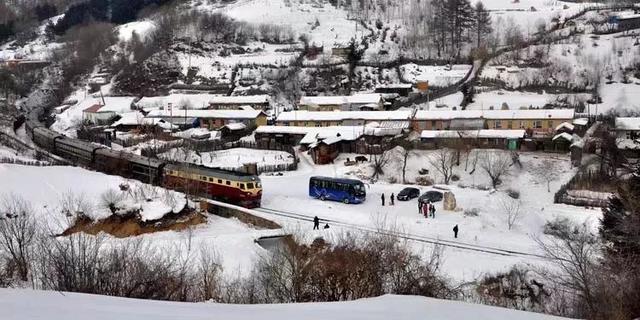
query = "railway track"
{"x": 417, "y": 238}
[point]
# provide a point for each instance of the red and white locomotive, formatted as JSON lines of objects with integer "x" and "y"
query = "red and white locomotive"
{"x": 228, "y": 186}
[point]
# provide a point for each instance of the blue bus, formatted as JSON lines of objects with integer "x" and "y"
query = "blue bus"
{"x": 344, "y": 190}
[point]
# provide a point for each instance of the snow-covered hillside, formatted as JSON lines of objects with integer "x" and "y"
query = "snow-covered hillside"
{"x": 31, "y": 305}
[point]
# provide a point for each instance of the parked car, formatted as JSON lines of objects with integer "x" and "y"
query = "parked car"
{"x": 433, "y": 196}
{"x": 408, "y": 194}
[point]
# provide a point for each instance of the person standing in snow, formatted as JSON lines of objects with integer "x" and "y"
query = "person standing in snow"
{"x": 382, "y": 198}
{"x": 392, "y": 198}
{"x": 432, "y": 210}
{"x": 425, "y": 210}
{"x": 455, "y": 231}
{"x": 420, "y": 205}
{"x": 316, "y": 223}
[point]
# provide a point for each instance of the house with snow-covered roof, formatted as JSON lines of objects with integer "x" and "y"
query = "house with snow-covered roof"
{"x": 484, "y": 138}
{"x": 258, "y": 102}
{"x": 97, "y": 114}
{"x": 535, "y": 120}
{"x": 628, "y": 135}
{"x": 357, "y": 102}
{"x": 214, "y": 119}
{"x": 341, "y": 118}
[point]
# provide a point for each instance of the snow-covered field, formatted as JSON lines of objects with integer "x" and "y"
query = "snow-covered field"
{"x": 45, "y": 188}
{"x": 232, "y": 159}
{"x": 438, "y": 76}
{"x": 333, "y": 25}
{"x": 519, "y": 99}
{"x": 290, "y": 193}
{"x": 21, "y": 304}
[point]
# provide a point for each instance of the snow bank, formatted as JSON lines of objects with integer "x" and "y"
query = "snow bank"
{"x": 28, "y": 304}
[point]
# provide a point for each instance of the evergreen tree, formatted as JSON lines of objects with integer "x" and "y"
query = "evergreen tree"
{"x": 482, "y": 25}
{"x": 620, "y": 224}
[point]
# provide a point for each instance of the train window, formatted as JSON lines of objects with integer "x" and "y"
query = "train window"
{"x": 228, "y": 183}
{"x": 204, "y": 178}
{"x": 249, "y": 185}
{"x": 241, "y": 186}
{"x": 220, "y": 181}
{"x": 210, "y": 179}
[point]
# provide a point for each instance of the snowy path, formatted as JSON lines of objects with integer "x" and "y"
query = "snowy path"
{"x": 412, "y": 237}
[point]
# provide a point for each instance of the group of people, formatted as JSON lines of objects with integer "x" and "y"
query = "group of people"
{"x": 392, "y": 198}
{"x": 427, "y": 209}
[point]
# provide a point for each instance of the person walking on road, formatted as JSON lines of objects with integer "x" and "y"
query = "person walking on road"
{"x": 432, "y": 210}
{"x": 382, "y": 198}
{"x": 392, "y": 198}
{"x": 420, "y": 204}
{"x": 455, "y": 231}
{"x": 316, "y": 223}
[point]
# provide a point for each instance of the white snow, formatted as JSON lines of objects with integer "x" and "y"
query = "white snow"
{"x": 438, "y": 76}
{"x": 46, "y": 187}
{"x": 220, "y": 114}
{"x": 231, "y": 159}
{"x": 177, "y": 100}
{"x": 339, "y": 100}
{"x": 142, "y": 28}
{"x": 627, "y": 123}
{"x": 290, "y": 193}
{"x": 20, "y": 304}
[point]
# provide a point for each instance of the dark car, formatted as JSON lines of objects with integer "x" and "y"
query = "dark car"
{"x": 408, "y": 194}
{"x": 433, "y": 196}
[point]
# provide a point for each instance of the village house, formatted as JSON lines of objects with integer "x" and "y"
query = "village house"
{"x": 324, "y": 144}
{"x": 214, "y": 119}
{"x": 257, "y": 102}
{"x": 96, "y": 114}
{"x": 485, "y": 138}
{"x": 538, "y": 122}
{"x": 627, "y": 21}
{"x": 136, "y": 121}
{"x": 357, "y": 102}
{"x": 628, "y": 136}
{"x": 342, "y": 118}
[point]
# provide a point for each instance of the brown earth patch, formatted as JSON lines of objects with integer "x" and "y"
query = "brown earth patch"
{"x": 129, "y": 226}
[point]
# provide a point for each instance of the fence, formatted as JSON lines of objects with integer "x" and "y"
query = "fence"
{"x": 584, "y": 180}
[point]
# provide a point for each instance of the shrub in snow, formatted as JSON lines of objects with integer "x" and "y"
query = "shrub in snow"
{"x": 424, "y": 181}
{"x": 515, "y": 194}
{"x": 515, "y": 288}
{"x": 473, "y": 212}
{"x": 392, "y": 180}
{"x": 560, "y": 227}
{"x": 455, "y": 177}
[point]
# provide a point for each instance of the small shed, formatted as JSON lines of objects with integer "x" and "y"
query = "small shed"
{"x": 324, "y": 151}
{"x": 562, "y": 142}
{"x": 565, "y": 127}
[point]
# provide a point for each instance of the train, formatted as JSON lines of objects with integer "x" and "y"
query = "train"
{"x": 237, "y": 188}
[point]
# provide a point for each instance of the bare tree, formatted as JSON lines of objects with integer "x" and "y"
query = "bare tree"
{"x": 496, "y": 166}
{"x": 547, "y": 172}
{"x": 378, "y": 162}
{"x": 18, "y": 232}
{"x": 512, "y": 208}
{"x": 443, "y": 161}
{"x": 576, "y": 267}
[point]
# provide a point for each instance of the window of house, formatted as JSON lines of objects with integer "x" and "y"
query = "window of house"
{"x": 550, "y": 123}
{"x": 433, "y": 124}
{"x": 510, "y": 124}
{"x": 498, "y": 124}
{"x": 537, "y": 124}
{"x": 521, "y": 124}
{"x": 629, "y": 135}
